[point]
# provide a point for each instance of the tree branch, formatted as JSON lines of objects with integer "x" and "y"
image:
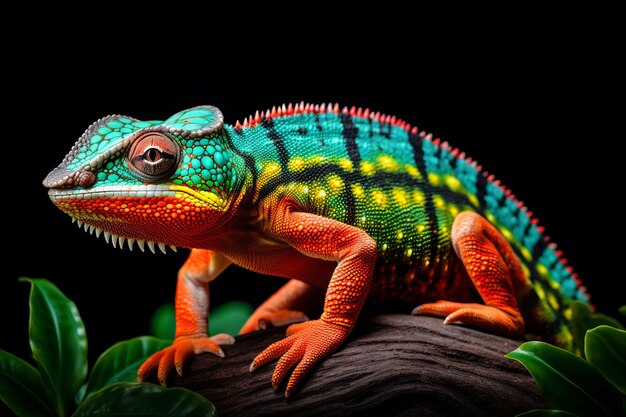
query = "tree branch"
{"x": 392, "y": 365}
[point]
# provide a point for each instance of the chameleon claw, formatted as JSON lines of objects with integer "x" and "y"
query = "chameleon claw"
{"x": 416, "y": 311}
{"x": 265, "y": 320}
{"x": 302, "y": 349}
{"x": 507, "y": 322}
{"x": 448, "y": 321}
{"x": 175, "y": 356}
{"x": 223, "y": 339}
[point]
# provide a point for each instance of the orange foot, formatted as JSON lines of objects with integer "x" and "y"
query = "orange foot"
{"x": 176, "y": 355}
{"x": 264, "y": 320}
{"x": 503, "y": 321}
{"x": 307, "y": 344}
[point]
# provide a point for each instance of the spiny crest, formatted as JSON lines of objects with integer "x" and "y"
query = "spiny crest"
{"x": 306, "y": 108}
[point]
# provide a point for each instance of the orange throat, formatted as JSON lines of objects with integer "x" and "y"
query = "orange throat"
{"x": 156, "y": 216}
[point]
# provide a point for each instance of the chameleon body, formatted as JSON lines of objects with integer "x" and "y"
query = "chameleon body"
{"x": 351, "y": 201}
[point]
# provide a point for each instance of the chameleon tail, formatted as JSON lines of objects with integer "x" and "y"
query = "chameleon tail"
{"x": 552, "y": 283}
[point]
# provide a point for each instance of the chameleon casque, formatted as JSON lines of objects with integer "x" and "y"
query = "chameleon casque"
{"x": 351, "y": 201}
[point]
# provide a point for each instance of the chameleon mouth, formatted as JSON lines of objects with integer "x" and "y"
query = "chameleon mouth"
{"x": 104, "y": 225}
{"x": 136, "y": 191}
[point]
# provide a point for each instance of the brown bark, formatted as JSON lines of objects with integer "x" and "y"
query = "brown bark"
{"x": 392, "y": 365}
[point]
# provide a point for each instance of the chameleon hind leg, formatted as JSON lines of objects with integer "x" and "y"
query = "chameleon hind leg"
{"x": 496, "y": 273}
{"x": 280, "y": 308}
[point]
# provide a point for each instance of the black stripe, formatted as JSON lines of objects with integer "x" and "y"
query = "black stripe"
{"x": 249, "y": 161}
{"x": 417, "y": 142}
{"x": 349, "y": 134}
{"x": 453, "y": 162}
{"x": 418, "y": 154}
{"x": 553, "y": 264}
{"x": 348, "y": 197}
{"x": 502, "y": 200}
{"x": 481, "y": 189}
{"x": 438, "y": 152}
{"x": 539, "y": 247}
{"x": 278, "y": 141}
{"x": 385, "y": 130}
{"x": 317, "y": 122}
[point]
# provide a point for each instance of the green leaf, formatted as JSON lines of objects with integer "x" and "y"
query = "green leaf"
{"x": 21, "y": 387}
{"x": 163, "y": 322}
{"x": 229, "y": 317}
{"x": 622, "y": 310}
{"x": 583, "y": 319}
{"x": 547, "y": 413}
{"x": 605, "y": 348}
{"x": 132, "y": 399}
{"x": 599, "y": 319}
{"x": 121, "y": 361}
{"x": 58, "y": 341}
{"x": 80, "y": 394}
{"x": 567, "y": 381}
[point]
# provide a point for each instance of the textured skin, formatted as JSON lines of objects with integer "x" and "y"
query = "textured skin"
{"x": 348, "y": 201}
{"x": 494, "y": 270}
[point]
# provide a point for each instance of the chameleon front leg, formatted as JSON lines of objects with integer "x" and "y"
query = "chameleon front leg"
{"x": 280, "y": 308}
{"x": 309, "y": 342}
{"x": 192, "y": 311}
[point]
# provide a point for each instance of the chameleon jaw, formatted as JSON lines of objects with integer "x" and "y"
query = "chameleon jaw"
{"x": 149, "y": 215}
{"x": 137, "y": 191}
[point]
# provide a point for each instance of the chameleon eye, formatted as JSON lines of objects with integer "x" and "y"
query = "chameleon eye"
{"x": 153, "y": 156}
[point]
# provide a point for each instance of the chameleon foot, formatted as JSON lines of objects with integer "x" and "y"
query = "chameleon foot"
{"x": 263, "y": 320}
{"x": 502, "y": 321}
{"x": 181, "y": 350}
{"x": 306, "y": 344}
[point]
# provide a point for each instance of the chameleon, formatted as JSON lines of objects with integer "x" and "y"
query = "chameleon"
{"x": 351, "y": 201}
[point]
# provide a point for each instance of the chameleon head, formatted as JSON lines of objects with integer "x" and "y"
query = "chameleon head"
{"x": 151, "y": 182}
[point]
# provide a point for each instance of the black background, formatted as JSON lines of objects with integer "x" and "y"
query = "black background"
{"x": 535, "y": 104}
